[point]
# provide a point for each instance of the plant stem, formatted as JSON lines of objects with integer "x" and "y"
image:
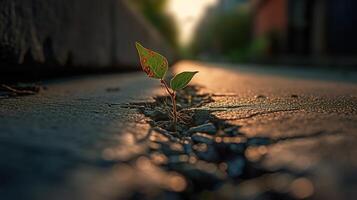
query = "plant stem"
{"x": 171, "y": 93}
{"x": 173, "y": 100}
{"x": 174, "y": 109}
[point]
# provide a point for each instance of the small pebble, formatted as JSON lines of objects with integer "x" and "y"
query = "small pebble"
{"x": 202, "y": 138}
{"x": 208, "y": 154}
{"x": 188, "y": 148}
{"x": 156, "y": 115}
{"x": 201, "y": 116}
{"x": 204, "y": 128}
{"x": 260, "y": 96}
{"x": 258, "y": 141}
{"x": 235, "y": 166}
{"x": 233, "y": 130}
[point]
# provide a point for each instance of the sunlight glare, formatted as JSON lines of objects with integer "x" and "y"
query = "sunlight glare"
{"x": 188, "y": 14}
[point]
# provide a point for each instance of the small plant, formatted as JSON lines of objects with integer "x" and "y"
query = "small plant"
{"x": 156, "y": 66}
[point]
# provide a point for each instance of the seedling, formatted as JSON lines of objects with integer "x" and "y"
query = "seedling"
{"x": 156, "y": 66}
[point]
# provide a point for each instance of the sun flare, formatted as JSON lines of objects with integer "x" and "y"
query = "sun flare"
{"x": 188, "y": 13}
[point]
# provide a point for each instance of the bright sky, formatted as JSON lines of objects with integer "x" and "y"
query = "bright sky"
{"x": 188, "y": 13}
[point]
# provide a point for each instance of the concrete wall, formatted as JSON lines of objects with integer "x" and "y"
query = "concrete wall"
{"x": 87, "y": 33}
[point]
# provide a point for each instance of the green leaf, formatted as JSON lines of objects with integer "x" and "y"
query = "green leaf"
{"x": 154, "y": 64}
{"x": 181, "y": 80}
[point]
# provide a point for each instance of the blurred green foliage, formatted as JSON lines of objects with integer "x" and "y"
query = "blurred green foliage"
{"x": 228, "y": 35}
{"x": 154, "y": 12}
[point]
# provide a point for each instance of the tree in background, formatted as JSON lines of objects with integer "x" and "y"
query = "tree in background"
{"x": 154, "y": 12}
{"x": 227, "y": 35}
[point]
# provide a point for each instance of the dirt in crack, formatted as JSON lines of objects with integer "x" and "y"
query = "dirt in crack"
{"x": 207, "y": 151}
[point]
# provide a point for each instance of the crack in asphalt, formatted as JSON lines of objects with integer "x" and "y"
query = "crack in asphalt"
{"x": 219, "y": 147}
{"x": 305, "y": 136}
{"x": 261, "y": 113}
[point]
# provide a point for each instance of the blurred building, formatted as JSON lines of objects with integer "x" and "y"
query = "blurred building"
{"x": 308, "y": 27}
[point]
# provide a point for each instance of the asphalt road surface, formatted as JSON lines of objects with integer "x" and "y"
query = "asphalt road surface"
{"x": 78, "y": 140}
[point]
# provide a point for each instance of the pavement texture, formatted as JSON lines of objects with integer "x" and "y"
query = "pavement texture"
{"x": 295, "y": 136}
